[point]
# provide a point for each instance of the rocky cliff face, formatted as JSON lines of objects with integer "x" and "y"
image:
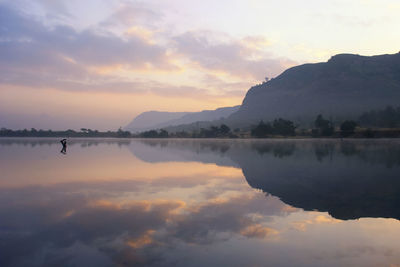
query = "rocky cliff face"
{"x": 344, "y": 86}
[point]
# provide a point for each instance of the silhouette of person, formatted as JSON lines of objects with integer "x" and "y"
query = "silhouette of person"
{"x": 64, "y": 144}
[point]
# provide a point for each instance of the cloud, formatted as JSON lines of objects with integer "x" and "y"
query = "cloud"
{"x": 315, "y": 219}
{"x": 26, "y": 42}
{"x": 36, "y": 55}
{"x": 33, "y": 54}
{"x": 258, "y": 231}
{"x": 123, "y": 47}
{"x": 60, "y": 57}
{"x": 55, "y": 8}
{"x": 128, "y": 14}
{"x": 238, "y": 57}
{"x": 232, "y": 88}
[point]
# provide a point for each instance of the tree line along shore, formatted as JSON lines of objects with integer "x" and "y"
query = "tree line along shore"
{"x": 383, "y": 123}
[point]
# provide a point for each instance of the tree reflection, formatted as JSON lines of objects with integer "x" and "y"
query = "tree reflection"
{"x": 359, "y": 180}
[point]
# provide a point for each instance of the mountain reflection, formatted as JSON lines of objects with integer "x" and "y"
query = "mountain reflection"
{"x": 348, "y": 179}
{"x": 186, "y": 203}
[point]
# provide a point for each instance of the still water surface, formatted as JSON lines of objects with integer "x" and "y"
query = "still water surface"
{"x": 169, "y": 202}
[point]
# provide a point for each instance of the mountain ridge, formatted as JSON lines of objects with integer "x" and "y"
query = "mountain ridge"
{"x": 344, "y": 86}
{"x": 160, "y": 119}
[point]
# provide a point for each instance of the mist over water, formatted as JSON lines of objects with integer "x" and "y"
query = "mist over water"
{"x": 108, "y": 202}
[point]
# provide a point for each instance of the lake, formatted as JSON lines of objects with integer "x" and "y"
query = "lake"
{"x": 110, "y": 202}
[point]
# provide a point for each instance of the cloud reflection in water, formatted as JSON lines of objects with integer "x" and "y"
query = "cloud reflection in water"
{"x": 197, "y": 212}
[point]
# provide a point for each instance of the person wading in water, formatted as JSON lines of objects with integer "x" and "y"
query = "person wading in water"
{"x": 64, "y": 144}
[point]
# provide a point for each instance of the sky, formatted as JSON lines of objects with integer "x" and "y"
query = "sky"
{"x": 99, "y": 63}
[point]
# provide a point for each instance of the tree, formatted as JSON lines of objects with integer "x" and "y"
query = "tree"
{"x": 388, "y": 117}
{"x": 325, "y": 127}
{"x": 262, "y": 130}
{"x": 283, "y": 127}
{"x": 224, "y": 129}
{"x": 214, "y": 131}
{"x": 120, "y": 133}
{"x": 163, "y": 134}
{"x": 347, "y": 128}
{"x": 149, "y": 134}
{"x": 369, "y": 133}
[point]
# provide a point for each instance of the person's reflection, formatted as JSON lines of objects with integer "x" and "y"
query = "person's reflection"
{"x": 64, "y": 148}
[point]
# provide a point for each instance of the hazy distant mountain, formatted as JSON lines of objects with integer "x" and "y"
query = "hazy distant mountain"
{"x": 157, "y": 119}
{"x": 343, "y": 87}
{"x": 149, "y": 119}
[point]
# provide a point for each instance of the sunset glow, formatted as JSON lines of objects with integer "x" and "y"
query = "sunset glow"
{"x": 98, "y": 64}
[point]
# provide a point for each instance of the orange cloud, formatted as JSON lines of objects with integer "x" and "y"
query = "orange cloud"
{"x": 141, "y": 32}
{"x": 145, "y": 239}
{"x": 315, "y": 219}
{"x": 258, "y": 231}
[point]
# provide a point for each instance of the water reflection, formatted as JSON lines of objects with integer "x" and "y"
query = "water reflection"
{"x": 186, "y": 203}
{"x": 88, "y": 225}
{"x": 348, "y": 179}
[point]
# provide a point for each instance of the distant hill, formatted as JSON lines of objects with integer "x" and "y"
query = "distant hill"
{"x": 151, "y": 119}
{"x": 343, "y": 87}
{"x": 157, "y": 119}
